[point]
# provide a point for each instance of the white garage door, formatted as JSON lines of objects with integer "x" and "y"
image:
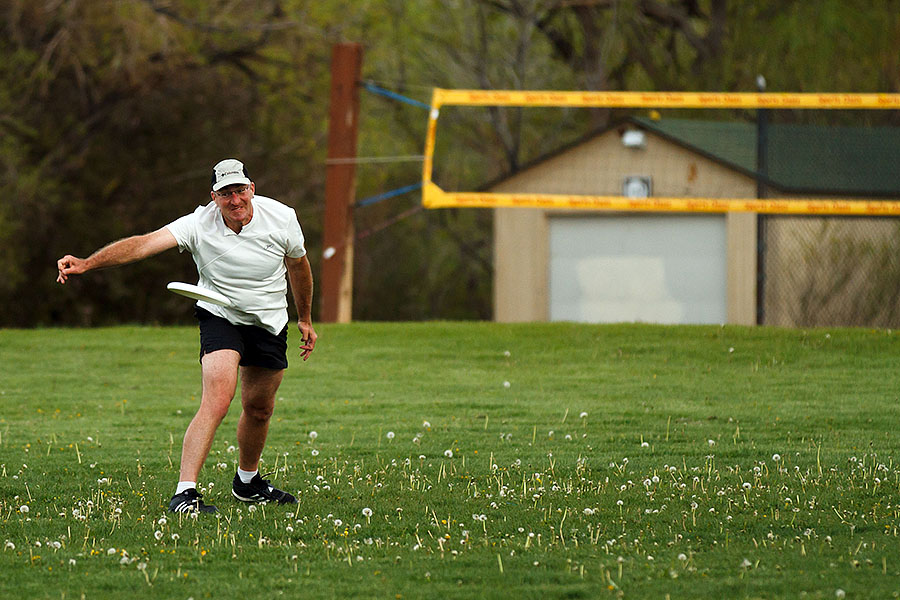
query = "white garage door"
{"x": 647, "y": 268}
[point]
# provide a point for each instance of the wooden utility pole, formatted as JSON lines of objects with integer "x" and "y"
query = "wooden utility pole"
{"x": 340, "y": 185}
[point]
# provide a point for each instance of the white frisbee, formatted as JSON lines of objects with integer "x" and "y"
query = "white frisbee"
{"x": 198, "y": 293}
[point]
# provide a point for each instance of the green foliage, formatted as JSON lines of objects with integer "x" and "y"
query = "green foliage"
{"x": 618, "y": 461}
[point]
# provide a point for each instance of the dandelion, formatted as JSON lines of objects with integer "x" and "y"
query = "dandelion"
{"x": 313, "y": 435}
{"x": 507, "y": 353}
{"x": 588, "y": 511}
{"x": 746, "y": 485}
{"x": 231, "y": 449}
{"x": 583, "y": 415}
{"x": 24, "y": 509}
{"x": 158, "y": 534}
{"x": 711, "y": 442}
{"x": 426, "y": 424}
{"x": 776, "y": 457}
{"x": 448, "y": 453}
{"x": 314, "y": 452}
{"x": 111, "y": 551}
{"x": 390, "y": 435}
{"x": 746, "y": 564}
{"x": 162, "y": 521}
{"x": 175, "y": 536}
{"x": 338, "y": 522}
{"x": 682, "y": 557}
{"x": 72, "y": 562}
{"x": 10, "y": 546}
{"x": 839, "y": 593}
{"x": 506, "y": 384}
{"x": 367, "y": 513}
{"x": 645, "y": 444}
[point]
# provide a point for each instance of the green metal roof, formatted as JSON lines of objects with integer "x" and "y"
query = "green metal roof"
{"x": 858, "y": 161}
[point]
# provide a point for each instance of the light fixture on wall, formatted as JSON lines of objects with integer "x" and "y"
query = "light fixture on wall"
{"x": 637, "y": 186}
{"x": 634, "y": 139}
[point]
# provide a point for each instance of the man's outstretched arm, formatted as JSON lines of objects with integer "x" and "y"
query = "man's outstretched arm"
{"x": 124, "y": 251}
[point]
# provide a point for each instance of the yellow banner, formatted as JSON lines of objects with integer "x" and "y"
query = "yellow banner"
{"x": 435, "y": 197}
{"x": 443, "y": 97}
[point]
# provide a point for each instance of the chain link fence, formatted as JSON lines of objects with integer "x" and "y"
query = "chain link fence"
{"x": 830, "y": 271}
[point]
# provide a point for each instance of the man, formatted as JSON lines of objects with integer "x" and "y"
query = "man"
{"x": 243, "y": 246}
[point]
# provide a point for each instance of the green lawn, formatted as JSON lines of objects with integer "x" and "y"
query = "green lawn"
{"x": 536, "y": 461}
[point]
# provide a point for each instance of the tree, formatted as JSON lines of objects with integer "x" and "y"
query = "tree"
{"x": 112, "y": 115}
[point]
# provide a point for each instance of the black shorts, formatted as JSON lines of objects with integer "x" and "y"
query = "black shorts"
{"x": 257, "y": 346}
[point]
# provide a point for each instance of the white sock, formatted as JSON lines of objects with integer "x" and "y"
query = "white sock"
{"x": 246, "y": 476}
{"x": 185, "y": 485}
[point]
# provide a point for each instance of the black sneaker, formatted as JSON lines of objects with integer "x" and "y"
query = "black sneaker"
{"x": 190, "y": 501}
{"x": 259, "y": 490}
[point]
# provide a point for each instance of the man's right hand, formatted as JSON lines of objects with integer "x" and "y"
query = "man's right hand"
{"x": 69, "y": 265}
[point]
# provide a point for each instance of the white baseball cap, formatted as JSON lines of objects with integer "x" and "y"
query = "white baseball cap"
{"x": 229, "y": 172}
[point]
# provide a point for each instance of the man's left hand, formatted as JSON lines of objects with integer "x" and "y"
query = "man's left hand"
{"x": 307, "y": 338}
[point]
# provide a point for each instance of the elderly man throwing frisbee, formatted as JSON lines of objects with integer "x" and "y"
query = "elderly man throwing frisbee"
{"x": 243, "y": 245}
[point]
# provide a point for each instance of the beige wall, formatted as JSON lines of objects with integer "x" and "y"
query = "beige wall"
{"x": 597, "y": 167}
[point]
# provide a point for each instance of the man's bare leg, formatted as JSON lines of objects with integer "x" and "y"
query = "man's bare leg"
{"x": 258, "y": 388}
{"x": 219, "y": 374}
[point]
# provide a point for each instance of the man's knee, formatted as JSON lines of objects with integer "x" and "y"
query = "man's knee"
{"x": 215, "y": 405}
{"x": 257, "y": 412}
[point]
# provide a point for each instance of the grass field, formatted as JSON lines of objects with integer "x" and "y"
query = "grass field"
{"x": 464, "y": 460}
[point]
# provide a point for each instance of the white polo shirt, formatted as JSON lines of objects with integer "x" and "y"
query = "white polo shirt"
{"x": 247, "y": 267}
